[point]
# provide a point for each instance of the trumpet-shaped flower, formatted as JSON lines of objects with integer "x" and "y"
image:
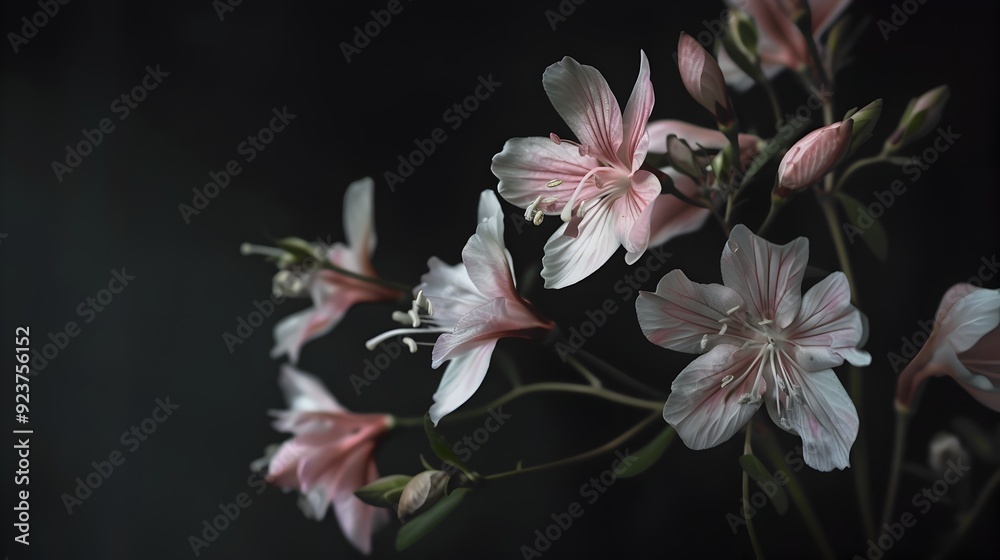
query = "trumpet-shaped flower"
{"x": 470, "y": 306}
{"x": 596, "y": 185}
{"x": 332, "y": 293}
{"x": 330, "y": 455}
{"x": 964, "y": 344}
{"x": 761, "y": 340}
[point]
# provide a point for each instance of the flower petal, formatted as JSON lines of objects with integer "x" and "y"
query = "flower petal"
{"x": 357, "y": 519}
{"x": 292, "y": 332}
{"x": 569, "y": 259}
{"x": 305, "y": 392}
{"x": 705, "y": 413}
{"x": 966, "y": 314}
{"x": 584, "y": 100}
{"x": 633, "y": 211}
{"x": 640, "y": 105}
{"x": 681, "y": 313}
{"x": 461, "y": 379}
{"x": 526, "y": 166}
{"x": 498, "y": 318}
{"x": 671, "y": 216}
{"x": 982, "y": 361}
{"x": 359, "y": 216}
{"x": 767, "y": 276}
{"x": 486, "y": 259}
{"x": 450, "y": 290}
{"x": 827, "y": 322}
{"x": 824, "y": 417}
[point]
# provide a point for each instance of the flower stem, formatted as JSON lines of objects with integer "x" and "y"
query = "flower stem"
{"x": 377, "y": 281}
{"x": 598, "y": 392}
{"x": 609, "y": 446}
{"x": 748, "y": 450}
{"x": 620, "y": 375}
{"x": 582, "y": 369}
{"x": 898, "y": 448}
{"x": 969, "y": 518}
{"x": 798, "y": 495}
{"x": 830, "y": 213}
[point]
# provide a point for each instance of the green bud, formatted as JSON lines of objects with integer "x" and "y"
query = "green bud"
{"x": 921, "y": 117}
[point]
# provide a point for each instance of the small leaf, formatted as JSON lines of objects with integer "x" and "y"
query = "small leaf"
{"x": 375, "y": 493}
{"x": 441, "y": 447}
{"x": 758, "y": 472}
{"x": 419, "y": 526}
{"x": 647, "y": 456}
{"x": 872, "y": 234}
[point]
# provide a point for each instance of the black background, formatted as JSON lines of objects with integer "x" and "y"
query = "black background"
{"x": 163, "y": 334}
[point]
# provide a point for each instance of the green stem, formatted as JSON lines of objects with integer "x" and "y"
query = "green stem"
{"x": 798, "y": 495}
{"x": 609, "y": 446}
{"x": 863, "y": 162}
{"x": 598, "y": 392}
{"x": 377, "y": 281}
{"x": 620, "y": 375}
{"x": 775, "y": 106}
{"x": 898, "y": 448}
{"x": 582, "y": 369}
{"x": 748, "y": 450}
{"x": 830, "y": 213}
{"x": 969, "y": 518}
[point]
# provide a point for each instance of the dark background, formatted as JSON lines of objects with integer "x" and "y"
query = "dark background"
{"x": 163, "y": 334}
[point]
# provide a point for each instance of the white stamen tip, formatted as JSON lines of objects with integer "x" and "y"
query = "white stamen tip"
{"x": 549, "y": 199}
{"x": 538, "y": 218}
{"x": 246, "y": 249}
{"x": 733, "y": 310}
{"x": 414, "y": 318}
{"x": 430, "y": 308}
{"x": 555, "y": 138}
{"x": 704, "y": 342}
{"x": 745, "y": 398}
{"x": 554, "y": 183}
{"x": 765, "y": 322}
{"x": 411, "y": 344}
{"x": 727, "y": 380}
{"x": 785, "y": 424}
{"x": 723, "y": 330}
{"x": 401, "y": 317}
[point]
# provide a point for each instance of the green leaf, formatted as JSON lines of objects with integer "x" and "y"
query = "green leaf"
{"x": 649, "y": 454}
{"x": 759, "y": 473}
{"x": 419, "y": 526}
{"x": 442, "y": 449}
{"x": 380, "y": 492}
{"x": 872, "y": 234}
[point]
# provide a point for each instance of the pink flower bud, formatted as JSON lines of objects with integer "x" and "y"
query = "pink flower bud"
{"x": 703, "y": 78}
{"x": 813, "y": 156}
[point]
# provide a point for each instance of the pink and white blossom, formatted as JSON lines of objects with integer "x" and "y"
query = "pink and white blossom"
{"x": 330, "y": 455}
{"x": 812, "y": 157}
{"x": 761, "y": 341}
{"x": 332, "y": 293}
{"x": 596, "y": 186}
{"x": 470, "y": 306}
{"x": 780, "y": 44}
{"x": 964, "y": 344}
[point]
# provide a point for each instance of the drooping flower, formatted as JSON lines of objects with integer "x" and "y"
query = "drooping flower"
{"x": 761, "y": 340}
{"x": 330, "y": 455}
{"x": 332, "y": 293}
{"x": 780, "y": 44}
{"x": 812, "y": 157}
{"x": 596, "y": 185}
{"x": 964, "y": 344}
{"x": 471, "y": 306}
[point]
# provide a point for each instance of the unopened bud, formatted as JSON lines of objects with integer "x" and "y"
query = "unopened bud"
{"x": 921, "y": 117}
{"x": 812, "y": 157}
{"x": 423, "y": 491}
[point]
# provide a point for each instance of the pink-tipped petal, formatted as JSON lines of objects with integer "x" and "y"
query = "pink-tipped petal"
{"x": 461, "y": 379}
{"x": 687, "y": 317}
{"x": 569, "y": 259}
{"x": 705, "y": 413}
{"x": 584, "y": 100}
{"x": 633, "y": 211}
{"x": 527, "y": 166}
{"x": 485, "y": 256}
{"x": 671, "y": 216}
{"x": 640, "y": 105}
{"x": 827, "y": 322}
{"x": 305, "y": 393}
{"x": 767, "y": 276}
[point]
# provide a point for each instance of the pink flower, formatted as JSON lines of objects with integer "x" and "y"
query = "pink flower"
{"x": 812, "y": 157}
{"x": 760, "y": 340}
{"x": 596, "y": 186}
{"x": 708, "y": 138}
{"x": 330, "y": 455}
{"x": 702, "y": 77}
{"x": 333, "y": 293}
{"x": 964, "y": 343}
{"x": 471, "y": 305}
{"x": 780, "y": 44}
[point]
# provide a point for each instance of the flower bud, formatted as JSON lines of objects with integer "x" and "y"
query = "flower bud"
{"x": 921, "y": 116}
{"x": 741, "y": 35}
{"x": 812, "y": 157}
{"x": 703, "y": 78}
{"x": 864, "y": 120}
{"x": 384, "y": 492}
{"x": 423, "y": 491}
{"x": 945, "y": 448}
{"x": 684, "y": 159}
